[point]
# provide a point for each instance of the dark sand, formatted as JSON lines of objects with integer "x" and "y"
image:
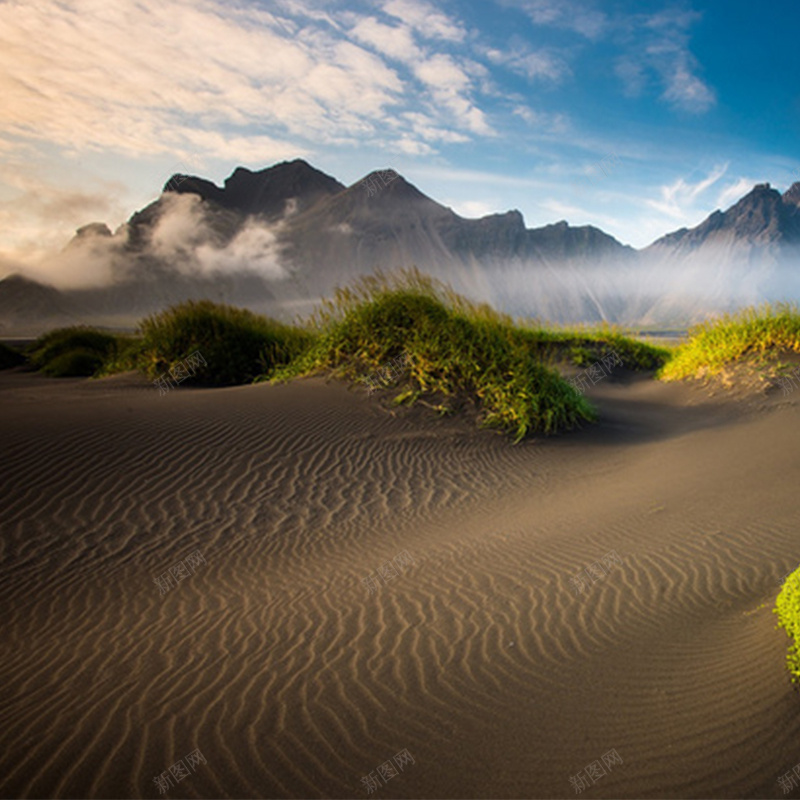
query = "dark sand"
{"x": 479, "y": 658}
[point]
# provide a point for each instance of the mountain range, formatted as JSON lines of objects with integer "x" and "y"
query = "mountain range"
{"x": 278, "y": 239}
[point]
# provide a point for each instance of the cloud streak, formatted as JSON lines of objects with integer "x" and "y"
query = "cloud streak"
{"x": 230, "y": 80}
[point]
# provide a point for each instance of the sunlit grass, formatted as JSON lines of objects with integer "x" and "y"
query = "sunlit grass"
{"x": 458, "y": 352}
{"x": 459, "y": 355}
{"x": 755, "y": 334}
{"x": 787, "y": 607}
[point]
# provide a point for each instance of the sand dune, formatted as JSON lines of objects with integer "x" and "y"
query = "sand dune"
{"x": 478, "y": 657}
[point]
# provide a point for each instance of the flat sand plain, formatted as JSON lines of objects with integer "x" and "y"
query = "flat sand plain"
{"x": 481, "y": 656}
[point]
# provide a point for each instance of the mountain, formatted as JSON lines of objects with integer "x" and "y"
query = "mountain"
{"x": 399, "y": 225}
{"x": 386, "y": 224}
{"x": 265, "y": 193}
{"x": 763, "y": 217}
{"x": 278, "y": 239}
{"x": 320, "y": 234}
{"x": 747, "y": 254}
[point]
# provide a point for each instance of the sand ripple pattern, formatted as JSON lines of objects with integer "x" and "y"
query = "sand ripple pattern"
{"x": 479, "y": 657}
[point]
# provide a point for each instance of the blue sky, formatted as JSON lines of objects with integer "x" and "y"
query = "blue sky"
{"x": 638, "y": 117}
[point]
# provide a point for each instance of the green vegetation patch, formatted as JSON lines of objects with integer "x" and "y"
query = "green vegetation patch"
{"x": 454, "y": 352}
{"x": 237, "y": 345}
{"x": 72, "y": 352}
{"x": 756, "y": 335}
{"x": 787, "y": 607}
{"x": 583, "y": 347}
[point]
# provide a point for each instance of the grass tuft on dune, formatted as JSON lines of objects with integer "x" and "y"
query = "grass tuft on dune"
{"x": 787, "y": 607}
{"x": 586, "y": 345}
{"x": 457, "y": 352}
{"x": 76, "y": 351}
{"x": 236, "y": 344}
{"x": 756, "y": 334}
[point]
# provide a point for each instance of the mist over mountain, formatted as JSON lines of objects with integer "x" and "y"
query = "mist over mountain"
{"x": 278, "y": 239}
{"x": 742, "y": 256}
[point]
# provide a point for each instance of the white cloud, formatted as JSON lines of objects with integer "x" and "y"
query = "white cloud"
{"x": 661, "y": 49}
{"x": 479, "y": 177}
{"x": 685, "y": 89}
{"x": 579, "y": 17}
{"x": 68, "y": 75}
{"x": 411, "y": 147}
{"x": 678, "y": 200}
{"x": 229, "y": 82}
{"x": 472, "y": 209}
{"x": 449, "y": 84}
{"x": 39, "y": 216}
{"x": 423, "y": 125}
{"x": 395, "y": 42}
{"x": 734, "y": 192}
{"x": 254, "y": 248}
{"x": 425, "y": 19}
{"x": 578, "y": 216}
{"x": 545, "y": 124}
{"x": 534, "y": 65}
{"x": 183, "y": 239}
{"x": 632, "y": 74}
{"x": 441, "y": 72}
{"x": 672, "y": 19}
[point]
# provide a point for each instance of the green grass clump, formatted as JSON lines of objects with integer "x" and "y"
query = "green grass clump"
{"x": 457, "y": 352}
{"x": 236, "y": 344}
{"x": 124, "y": 357}
{"x": 787, "y": 607}
{"x": 754, "y": 334}
{"x": 72, "y": 352}
{"x": 80, "y": 363}
{"x": 9, "y": 357}
{"x": 583, "y": 347}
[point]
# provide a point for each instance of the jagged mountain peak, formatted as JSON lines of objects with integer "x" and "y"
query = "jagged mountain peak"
{"x": 792, "y": 194}
{"x": 762, "y": 216}
{"x": 760, "y": 193}
{"x": 387, "y": 183}
{"x": 271, "y": 192}
{"x": 378, "y": 198}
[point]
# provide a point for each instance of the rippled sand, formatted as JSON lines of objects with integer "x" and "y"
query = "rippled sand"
{"x": 479, "y": 657}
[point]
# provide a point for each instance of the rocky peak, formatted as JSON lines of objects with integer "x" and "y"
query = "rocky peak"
{"x": 93, "y": 229}
{"x": 271, "y": 192}
{"x": 792, "y": 195}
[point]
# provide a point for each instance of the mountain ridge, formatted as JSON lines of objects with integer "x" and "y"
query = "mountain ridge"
{"x": 278, "y": 238}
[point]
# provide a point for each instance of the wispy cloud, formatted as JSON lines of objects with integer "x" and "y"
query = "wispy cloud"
{"x": 533, "y": 64}
{"x": 427, "y": 20}
{"x": 394, "y": 41}
{"x": 684, "y": 88}
{"x": 734, "y": 192}
{"x": 198, "y": 76}
{"x": 656, "y": 50}
{"x": 471, "y": 209}
{"x": 542, "y": 122}
{"x": 580, "y": 17}
{"x": 39, "y": 214}
{"x": 449, "y": 84}
{"x": 678, "y": 200}
{"x": 423, "y": 127}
